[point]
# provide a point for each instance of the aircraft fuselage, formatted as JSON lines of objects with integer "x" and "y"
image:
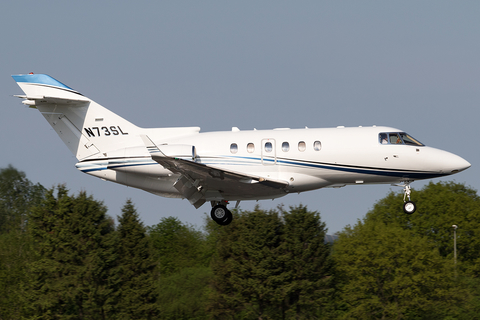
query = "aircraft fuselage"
{"x": 306, "y": 159}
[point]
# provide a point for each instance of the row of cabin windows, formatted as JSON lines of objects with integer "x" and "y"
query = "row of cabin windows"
{"x": 268, "y": 147}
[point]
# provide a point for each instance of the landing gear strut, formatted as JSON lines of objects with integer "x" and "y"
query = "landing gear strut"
{"x": 220, "y": 214}
{"x": 409, "y": 207}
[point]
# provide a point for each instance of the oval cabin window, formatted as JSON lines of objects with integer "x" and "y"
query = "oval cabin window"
{"x": 302, "y": 146}
{"x": 268, "y": 147}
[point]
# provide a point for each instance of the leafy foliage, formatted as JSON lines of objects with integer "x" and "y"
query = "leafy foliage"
{"x": 177, "y": 245}
{"x": 184, "y": 273}
{"x": 64, "y": 259}
{"x": 270, "y": 266}
{"x": 136, "y": 271}
{"x": 184, "y": 294}
{"x": 387, "y": 273}
{"x": 394, "y": 265}
{"x": 17, "y": 196}
{"x": 15, "y": 254}
{"x": 74, "y": 243}
{"x": 440, "y": 205}
{"x": 308, "y": 285}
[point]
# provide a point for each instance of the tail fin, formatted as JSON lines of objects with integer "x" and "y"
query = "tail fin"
{"x": 85, "y": 127}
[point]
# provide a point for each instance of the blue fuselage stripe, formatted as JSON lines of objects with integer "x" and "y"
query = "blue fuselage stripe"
{"x": 240, "y": 161}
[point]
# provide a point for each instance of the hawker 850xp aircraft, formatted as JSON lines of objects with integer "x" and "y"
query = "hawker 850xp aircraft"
{"x": 219, "y": 167}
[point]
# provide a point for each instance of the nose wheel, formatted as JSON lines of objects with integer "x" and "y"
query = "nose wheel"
{"x": 409, "y": 206}
{"x": 221, "y": 215}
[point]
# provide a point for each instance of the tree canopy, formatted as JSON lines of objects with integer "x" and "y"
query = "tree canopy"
{"x": 271, "y": 265}
{"x": 136, "y": 271}
{"x": 63, "y": 257}
{"x": 17, "y": 196}
{"x": 393, "y": 265}
{"x": 440, "y": 205}
{"x": 75, "y": 254}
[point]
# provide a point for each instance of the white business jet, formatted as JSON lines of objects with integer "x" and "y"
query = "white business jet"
{"x": 236, "y": 165}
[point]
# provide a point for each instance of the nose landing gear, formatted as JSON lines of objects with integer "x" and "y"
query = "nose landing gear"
{"x": 220, "y": 214}
{"x": 409, "y": 206}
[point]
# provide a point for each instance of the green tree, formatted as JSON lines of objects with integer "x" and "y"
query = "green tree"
{"x": 177, "y": 245}
{"x": 137, "y": 269}
{"x": 183, "y": 257}
{"x": 272, "y": 267}
{"x": 396, "y": 265}
{"x": 387, "y": 272}
{"x": 183, "y": 295}
{"x": 440, "y": 205}
{"x": 74, "y": 244}
{"x": 17, "y": 196}
{"x": 247, "y": 267}
{"x": 15, "y": 255}
{"x": 307, "y": 288}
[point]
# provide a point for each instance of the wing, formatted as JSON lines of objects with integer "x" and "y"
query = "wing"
{"x": 200, "y": 183}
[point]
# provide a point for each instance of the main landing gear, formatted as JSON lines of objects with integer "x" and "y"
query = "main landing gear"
{"x": 409, "y": 207}
{"x": 220, "y": 214}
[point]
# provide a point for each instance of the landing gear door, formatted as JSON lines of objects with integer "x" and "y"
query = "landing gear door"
{"x": 269, "y": 152}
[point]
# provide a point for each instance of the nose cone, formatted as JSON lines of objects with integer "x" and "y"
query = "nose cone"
{"x": 458, "y": 164}
{"x": 441, "y": 163}
{"x": 451, "y": 163}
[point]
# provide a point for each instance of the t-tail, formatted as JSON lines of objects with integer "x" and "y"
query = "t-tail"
{"x": 88, "y": 129}
{"x": 81, "y": 123}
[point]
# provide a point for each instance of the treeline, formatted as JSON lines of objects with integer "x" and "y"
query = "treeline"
{"x": 63, "y": 257}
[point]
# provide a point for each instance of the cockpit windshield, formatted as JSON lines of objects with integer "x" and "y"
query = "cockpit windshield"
{"x": 398, "y": 138}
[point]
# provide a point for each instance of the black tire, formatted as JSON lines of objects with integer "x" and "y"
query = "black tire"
{"x": 221, "y": 215}
{"x": 409, "y": 207}
{"x": 228, "y": 219}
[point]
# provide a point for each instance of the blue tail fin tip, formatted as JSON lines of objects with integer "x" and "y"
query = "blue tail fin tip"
{"x": 43, "y": 79}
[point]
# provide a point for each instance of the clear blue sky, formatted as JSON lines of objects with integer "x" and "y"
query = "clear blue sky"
{"x": 412, "y": 65}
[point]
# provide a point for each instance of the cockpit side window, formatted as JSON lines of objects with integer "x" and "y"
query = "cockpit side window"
{"x": 398, "y": 138}
{"x": 395, "y": 138}
{"x": 382, "y": 138}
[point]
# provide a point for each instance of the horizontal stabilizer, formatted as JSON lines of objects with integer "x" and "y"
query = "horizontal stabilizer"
{"x": 37, "y": 100}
